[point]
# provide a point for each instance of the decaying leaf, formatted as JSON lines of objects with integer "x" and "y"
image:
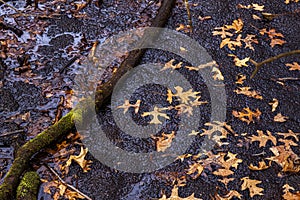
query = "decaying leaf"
{"x": 164, "y": 142}
{"x": 261, "y": 166}
{"x": 274, "y": 103}
{"x": 247, "y": 115}
{"x": 252, "y": 186}
{"x": 263, "y": 139}
{"x": 288, "y": 195}
{"x": 239, "y": 62}
{"x": 155, "y": 114}
{"x": 127, "y": 105}
{"x": 293, "y": 66}
{"x": 280, "y": 118}
{"x": 248, "y": 92}
{"x": 84, "y": 164}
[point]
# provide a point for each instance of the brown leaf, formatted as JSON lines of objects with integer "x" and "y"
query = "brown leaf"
{"x": 261, "y": 166}
{"x": 246, "y": 115}
{"x": 280, "y": 118}
{"x": 169, "y": 65}
{"x": 248, "y": 92}
{"x": 127, "y": 105}
{"x": 229, "y": 195}
{"x": 155, "y": 114}
{"x": 174, "y": 196}
{"x": 164, "y": 142}
{"x": 222, "y": 31}
{"x": 195, "y": 170}
{"x": 263, "y": 139}
{"x": 239, "y": 62}
{"x": 274, "y": 104}
{"x": 237, "y": 25}
{"x": 252, "y": 186}
{"x": 240, "y": 79}
{"x": 290, "y": 134}
{"x": 287, "y": 195}
{"x": 84, "y": 164}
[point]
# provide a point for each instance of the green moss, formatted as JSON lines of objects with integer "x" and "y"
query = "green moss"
{"x": 29, "y": 186}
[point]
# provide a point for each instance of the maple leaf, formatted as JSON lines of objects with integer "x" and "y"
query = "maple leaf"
{"x": 222, "y": 31}
{"x": 294, "y": 66}
{"x": 261, "y": 166}
{"x": 169, "y": 65}
{"x": 174, "y": 196}
{"x": 239, "y": 62}
{"x": 262, "y": 138}
{"x": 84, "y": 164}
{"x": 155, "y": 114}
{"x": 287, "y": 195}
{"x": 217, "y": 74}
{"x": 280, "y": 118}
{"x": 195, "y": 170}
{"x": 127, "y": 105}
{"x": 246, "y": 91}
{"x": 246, "y": 115}
{"x": 229, "y": 195}
{"x": 164, "y": 142}
{"x": 274, "y": 103}
{"x": 252, "y": 186}
{"x": 240, "y": 79}
{"x": 237, "y": 25}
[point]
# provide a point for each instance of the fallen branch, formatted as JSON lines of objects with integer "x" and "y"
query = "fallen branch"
{"x": 260, "y": 64}
{"x": 67, "y": 123}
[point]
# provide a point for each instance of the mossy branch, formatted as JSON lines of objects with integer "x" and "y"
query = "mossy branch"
{"x": 260, "y": 64}
{"x": 66, "y": 124}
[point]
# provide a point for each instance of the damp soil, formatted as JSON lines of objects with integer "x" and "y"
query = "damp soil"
{"x": 29, "y": 99}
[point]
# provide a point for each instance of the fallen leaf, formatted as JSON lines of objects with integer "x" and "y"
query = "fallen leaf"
{"x": 222, "y": 31}
{"x": 252, "y": 186}
{"x": 237, "y": 25}
{"x": 174, "y": 196}
{"x": 164, "y": 142}
{"x": 155, "y": 114}
{"x": 240, "y": 79}
{"x": 184, "y": 97}
{"x": 262, "y": 138}
{"x": 195, "y": 170}
{"x": 217, "y": 74}
{"x": 294, "y": 66}
{"x": 127, "y": 105}
{"x": 246, "y": 115}
{"x": 280, "y": 118}
{"x": 287, "y": 195}
{"x": 261, "y": 166}
{"x": 248, "y": 92}
{"x": 248, "y": 40}
{"x": 290, "y": 134}
{"x": 229, "y": 195}
{"x": 84, "y": 164}
{"x": 169, "y": 65}
{"x": 239, "y": 62}
{"x": 226, "y": 161}
{"x": 274, "y": 103}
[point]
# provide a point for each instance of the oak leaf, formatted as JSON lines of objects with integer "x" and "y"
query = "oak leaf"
{"x": 164, "y": 142}
{"x": 195, "y": 170}
{"x": 229, "y": 195}
{"x": 237, "y": 25}
{"x": 174, "y": 196}
{"x": 287, "y": 195}
{"x": 222, "y": 31}
{"x": 252, "y": 186}
{"x": 84, "y": 164}
{"x": 217, "y": 74}
{"x": 128, "y": 105}
{"x": 248, "y": 40}
{"x": 170, "y": 65}
{"x": 261, "y": 166}
{"x": 184, "y": 97}
{"x": 248, "y": 92}
{"x": 274, "y": 103}
{"x": 290, "y": 134}
{"x": 247, "y": 115}
{"x": 239, "y": 62}
{"x": 280, "y": 118}
{"x": 155, "y": 114}
{"x": 262, "y": 138}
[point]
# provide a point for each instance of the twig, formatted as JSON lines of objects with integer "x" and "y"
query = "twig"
{"x": 289, "y": 79}
{"x": 187, "y": 7}
{"x": 66, "y": 184}
{"x": 260, "y": 64}
{"x": 11, "y": 7}
{"x": 11, "y": 133}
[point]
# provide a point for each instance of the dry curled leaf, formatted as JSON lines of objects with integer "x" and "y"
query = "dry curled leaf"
{"x": 276, "y": 38}
{"x": 252, "y": 186}
{"x": 195, "y": 170}
{"x": 261, "y": 166}
{"x": 84, "y": 164}
{"x": 290, "y": 134}
{"x": 164, "y": 142}
{"x": 217, "y": 74}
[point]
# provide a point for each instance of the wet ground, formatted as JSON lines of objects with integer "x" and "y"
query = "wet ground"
{"x": 31, "y": 91}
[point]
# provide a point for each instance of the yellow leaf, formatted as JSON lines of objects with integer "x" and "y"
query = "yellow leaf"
{"x": 252, "y": 186}
{"x": 246, "y": 115}
{"x": 222, "y": 31}
{"x": 258, "y": 7}
{"x": 169, "y": 65}
{"x": 294, "y": 66}
{"x": 239, "y": 62}
{"x": 237, "y": 25}
{"x": 280, "y": 118}
{"x": 155, "y": 114}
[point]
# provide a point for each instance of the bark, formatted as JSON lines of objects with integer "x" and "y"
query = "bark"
{"x": 29, "y": 186}
{"x": 66, "y": 124}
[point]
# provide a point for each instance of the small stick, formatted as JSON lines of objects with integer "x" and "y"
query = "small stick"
{"x": 260, "y": 64}
{"x": 66, "y": 184}
{"x": 11, "y": 133}
{"x": 187, "y": 7}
